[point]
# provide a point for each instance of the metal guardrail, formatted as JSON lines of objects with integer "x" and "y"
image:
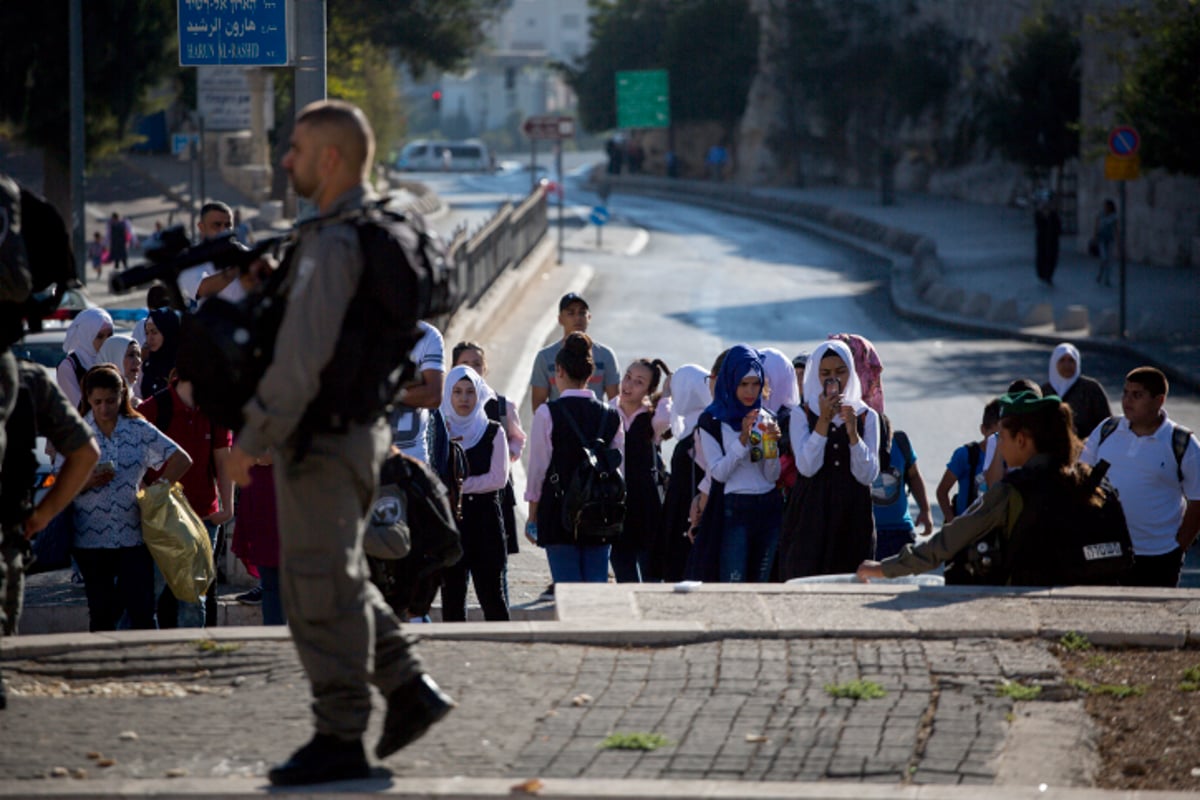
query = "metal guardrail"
{"x": 499, "y": 244}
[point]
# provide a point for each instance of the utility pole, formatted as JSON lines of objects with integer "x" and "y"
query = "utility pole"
{"x": 309, "y": 60}
{"x": 76, "y": 158}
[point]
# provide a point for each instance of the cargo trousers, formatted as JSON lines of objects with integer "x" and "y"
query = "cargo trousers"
{"x": 345, "y": 633}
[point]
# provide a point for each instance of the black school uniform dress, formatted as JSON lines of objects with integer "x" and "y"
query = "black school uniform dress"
{"x": 485, "y": 554}
{"x": 829, "y": 523}
{"x": 670, "y": 552}
{"x": 508, "y": 501}
{"x": 643, "y": 503}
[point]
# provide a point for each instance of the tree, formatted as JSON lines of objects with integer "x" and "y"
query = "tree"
{"x": 1159, "y": 92}
{"x": 709, "y": 48}
{"x": 1032, "y": 114}
{"x": 129, "y": 45}
{"x": 854, "y": 73}
{"x": 423, "y": 34}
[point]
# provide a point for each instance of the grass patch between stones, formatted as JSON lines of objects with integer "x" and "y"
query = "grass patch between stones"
{"x": 1018, "y": 691}
{"x": 634, "y": 741}
{"x": 858, "y": 689}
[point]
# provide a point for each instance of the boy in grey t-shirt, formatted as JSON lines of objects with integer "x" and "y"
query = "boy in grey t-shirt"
{"x": 573, "y": 315}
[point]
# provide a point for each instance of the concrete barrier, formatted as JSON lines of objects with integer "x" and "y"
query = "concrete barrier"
{"x": 1006, "y": 311}
{"x": 1073, "y": 318}
{"x": 1038, "y": 314}
{"x": 1107, "y": 323}
{"x": 978, "y": 305}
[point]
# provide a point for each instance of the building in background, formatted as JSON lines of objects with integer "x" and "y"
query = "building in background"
{"x": 511, "y": 78}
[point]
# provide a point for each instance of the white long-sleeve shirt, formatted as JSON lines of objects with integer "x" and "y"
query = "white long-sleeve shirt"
{"x": 809, "y": 448}
{"x": 733, "y": 466}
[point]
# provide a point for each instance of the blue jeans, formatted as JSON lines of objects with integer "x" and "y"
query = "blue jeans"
{"x": 629, "y": 563}
{"x": 191, "y": 615}
{"x": 571, "y": 563}
{"x": 750, "y": 536}
{"x": 272, "y": 604}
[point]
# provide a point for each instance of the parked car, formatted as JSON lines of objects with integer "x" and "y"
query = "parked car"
{"x": 44, "y": 347}
{"x": 424, "y": 155}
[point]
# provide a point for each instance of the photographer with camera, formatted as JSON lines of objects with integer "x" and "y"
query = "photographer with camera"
{"x": 229, "y": 283}
{"x": 327, "y": 464}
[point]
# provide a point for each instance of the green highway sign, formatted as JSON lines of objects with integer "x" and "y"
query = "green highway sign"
{"x": 643, "y": 99}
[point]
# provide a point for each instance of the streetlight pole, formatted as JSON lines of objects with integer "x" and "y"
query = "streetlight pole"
{"x": 76, "y": 157}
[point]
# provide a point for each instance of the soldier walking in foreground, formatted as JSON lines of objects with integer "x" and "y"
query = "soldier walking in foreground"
{"x": 326, "y": 473}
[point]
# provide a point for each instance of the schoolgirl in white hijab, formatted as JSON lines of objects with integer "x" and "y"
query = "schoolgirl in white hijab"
{"x": 468, "y": 429}
{"x": 482, "y": 524}
{"x": 689, "y": 397}
{"x": 1058, "y": 382}
{"x": 810, "y": 455}
{"x": 82, "y": 345}
{"x": 782, "y": 391}
{"x": 831, "y": 521}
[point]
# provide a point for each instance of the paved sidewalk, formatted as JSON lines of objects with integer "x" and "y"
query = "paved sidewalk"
{"x": 970, "y": 266}
{"x": 746, "y": 703}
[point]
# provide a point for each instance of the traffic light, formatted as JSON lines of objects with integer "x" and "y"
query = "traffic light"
{"x": 437, "y": 100}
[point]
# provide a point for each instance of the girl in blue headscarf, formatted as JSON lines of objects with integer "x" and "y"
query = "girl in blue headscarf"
{"x": 739, "y": 441}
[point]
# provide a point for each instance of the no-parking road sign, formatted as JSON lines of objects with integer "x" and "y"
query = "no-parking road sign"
{"x": 1124, "y": 141}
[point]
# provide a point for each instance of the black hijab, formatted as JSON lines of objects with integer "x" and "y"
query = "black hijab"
{"x": 158, "y": 365}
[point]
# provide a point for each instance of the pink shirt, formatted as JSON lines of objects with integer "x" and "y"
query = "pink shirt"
{"x": 514, "y": 432}
{"x": 497, "y": 474}
{"x": 540, "y": 447}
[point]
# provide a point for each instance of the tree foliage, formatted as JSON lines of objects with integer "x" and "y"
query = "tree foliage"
{"x": 423, "y": 34}
{"x": 129, "y": 45}
{"x": 1159, "y": 92}
{"x": 855, "y": 71}
{"x": 708, "y": 47}
{"x": 1032, "y": 113}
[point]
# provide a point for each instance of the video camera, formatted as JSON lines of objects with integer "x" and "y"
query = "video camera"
{"x": 175, "y": 253}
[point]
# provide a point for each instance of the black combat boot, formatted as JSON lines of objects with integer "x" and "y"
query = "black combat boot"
{"x": 326, "y": 758}
{"x": 412, "y": 709}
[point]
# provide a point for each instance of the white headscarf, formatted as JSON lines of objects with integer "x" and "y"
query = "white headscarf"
{"x": 1063, "y": 385}
{"x": 689, "y": 397}
{"x": 113, "y": 351}
{"x": 781, "y": 378}
{"x": 468, "y": 429}
{"x": 82, "y": 332}
{"x": 851, "y": 392}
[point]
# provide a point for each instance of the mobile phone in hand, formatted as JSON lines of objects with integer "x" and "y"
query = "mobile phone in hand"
{"x": 832, "y": 387}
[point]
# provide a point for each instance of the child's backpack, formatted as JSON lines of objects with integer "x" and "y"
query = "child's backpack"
{"x": 887, "y": 486}
{"x": 593, "y": 502}
{"x": 1060, "y": 532}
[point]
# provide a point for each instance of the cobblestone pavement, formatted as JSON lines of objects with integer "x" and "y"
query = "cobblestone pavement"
{"x": 740, "y": 709}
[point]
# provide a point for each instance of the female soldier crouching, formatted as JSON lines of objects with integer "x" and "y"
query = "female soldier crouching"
{"x": 1050, "y": 522}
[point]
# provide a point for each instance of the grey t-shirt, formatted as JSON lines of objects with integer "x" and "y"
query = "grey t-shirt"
{"x": 607, "y": 372}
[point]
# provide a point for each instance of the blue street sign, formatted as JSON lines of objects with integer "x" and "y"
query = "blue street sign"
{"x": 1124, "y": 141}
{"x": 180, "y": 142}
{"x": 599, "y": 215}
{"x": 247, "y": 33}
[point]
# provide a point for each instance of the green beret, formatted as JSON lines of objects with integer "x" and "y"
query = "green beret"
{"x": 1026, "y": 403}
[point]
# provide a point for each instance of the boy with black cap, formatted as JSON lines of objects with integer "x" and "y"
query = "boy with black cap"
{"x": 574, "y": 316}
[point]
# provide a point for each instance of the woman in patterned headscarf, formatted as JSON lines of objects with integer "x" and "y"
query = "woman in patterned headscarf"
{"x": 868, "y": 367}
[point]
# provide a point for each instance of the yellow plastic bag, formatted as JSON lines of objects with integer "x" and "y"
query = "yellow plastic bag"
{"x": 177, "y": 540}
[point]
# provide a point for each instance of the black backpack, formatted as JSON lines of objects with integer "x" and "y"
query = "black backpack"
{"x": 1180, "y": 437}
{"x": 407, "y": 275}
{"x": 593, "y": 500}
{"x": 1058, "y": 537}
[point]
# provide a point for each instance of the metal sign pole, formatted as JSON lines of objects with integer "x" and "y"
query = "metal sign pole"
{"x": 533, "y": 181}
{"x": 1121, "y": 197}
{"x": 561, "y": 191}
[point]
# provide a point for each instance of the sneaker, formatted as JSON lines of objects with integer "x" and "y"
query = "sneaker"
{"x": 547, "y": 593}
{"x": 251, "y": 598}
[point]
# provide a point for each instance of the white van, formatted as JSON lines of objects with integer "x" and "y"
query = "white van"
{"x": 425, "y": 155}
